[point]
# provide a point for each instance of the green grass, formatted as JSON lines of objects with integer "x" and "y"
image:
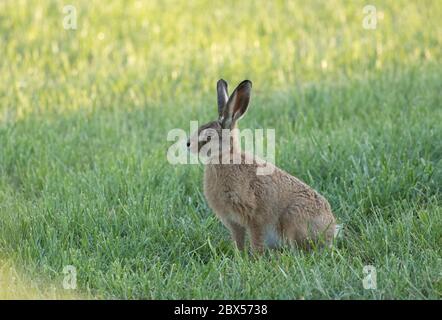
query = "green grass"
{"x": 84, "y": 116}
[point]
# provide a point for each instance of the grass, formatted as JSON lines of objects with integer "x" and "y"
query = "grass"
{"x": 84, "y": 116}
{"x": 14, "y": 285}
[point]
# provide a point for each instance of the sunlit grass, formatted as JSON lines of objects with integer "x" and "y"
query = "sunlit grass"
{"x": 15, "y": 285}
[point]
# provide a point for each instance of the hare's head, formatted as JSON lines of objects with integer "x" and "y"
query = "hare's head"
{"x": 219, "y": 133}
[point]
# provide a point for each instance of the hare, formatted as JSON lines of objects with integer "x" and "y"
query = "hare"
{"x": 274, "y": 209}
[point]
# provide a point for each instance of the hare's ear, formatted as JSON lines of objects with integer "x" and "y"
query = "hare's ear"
{"x": 223, "y": 96}
{"x": 237, "y": 104}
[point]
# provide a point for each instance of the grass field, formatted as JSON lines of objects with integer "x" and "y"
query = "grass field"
{"x": 84, "y": 116}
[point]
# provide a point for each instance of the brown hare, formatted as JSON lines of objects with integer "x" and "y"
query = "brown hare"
{"x": 274, "y": 208}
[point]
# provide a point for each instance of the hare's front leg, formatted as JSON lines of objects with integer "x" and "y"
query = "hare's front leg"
{"x": 256, "y": 237}
{"x": 238, "y": 233}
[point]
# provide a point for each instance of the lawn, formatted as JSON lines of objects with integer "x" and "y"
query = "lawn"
{"x": 84, "y": 117}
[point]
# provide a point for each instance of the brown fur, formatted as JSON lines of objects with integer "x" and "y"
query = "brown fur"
{"x": 275, "y": 204}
